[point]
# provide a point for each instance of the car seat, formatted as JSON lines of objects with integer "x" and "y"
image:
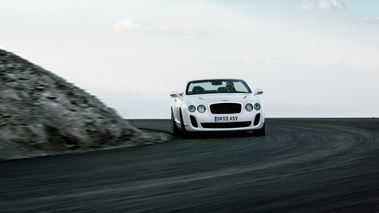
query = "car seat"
{"x": 221, "y": 89}
{"x": 198, "y": 90}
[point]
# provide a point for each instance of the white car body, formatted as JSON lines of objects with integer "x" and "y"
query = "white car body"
{"x": 224, "y": 111}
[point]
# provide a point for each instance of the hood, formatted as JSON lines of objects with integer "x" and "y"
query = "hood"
{"x": 222, "y": 97}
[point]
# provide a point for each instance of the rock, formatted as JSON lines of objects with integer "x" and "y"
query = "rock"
{"x": 40, "y": 88}
{"x": 12, "y": 77}
{"x": 9, "y": 94}
{"x": 51, "y": 97}
{"x": 42, "y": 114}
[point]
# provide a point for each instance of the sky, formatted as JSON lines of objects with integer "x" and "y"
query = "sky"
{"x": 312, "y": 58}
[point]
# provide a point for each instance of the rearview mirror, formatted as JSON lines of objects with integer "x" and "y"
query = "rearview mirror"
{"x": 258, "y": 92}
{"x": 175, "y": 94}
{"x": 216, "y": 83}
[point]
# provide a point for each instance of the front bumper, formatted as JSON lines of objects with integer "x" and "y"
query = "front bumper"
{"x": 203, "y": 122}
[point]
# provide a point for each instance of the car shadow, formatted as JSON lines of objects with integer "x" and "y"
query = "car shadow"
{"x": 228, "y": 134}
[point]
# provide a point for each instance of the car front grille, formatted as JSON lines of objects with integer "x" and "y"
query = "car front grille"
{"x": 226, "y": 125}
{"x": 225, "y": 108}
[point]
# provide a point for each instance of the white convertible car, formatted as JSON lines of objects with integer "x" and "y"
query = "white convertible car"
{"x": 217, "y": 105}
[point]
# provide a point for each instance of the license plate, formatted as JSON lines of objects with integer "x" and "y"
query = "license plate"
{"x": 225, "y": 118}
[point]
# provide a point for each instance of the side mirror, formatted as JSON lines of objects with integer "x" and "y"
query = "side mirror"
{"x": 175, "y": 94}
{"x": 258, "y": 92}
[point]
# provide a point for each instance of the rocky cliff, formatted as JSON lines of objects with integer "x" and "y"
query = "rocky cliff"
{"x": 41, "y": 113}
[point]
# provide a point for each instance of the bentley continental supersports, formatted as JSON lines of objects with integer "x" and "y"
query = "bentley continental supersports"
{"x": 213, "y": 105}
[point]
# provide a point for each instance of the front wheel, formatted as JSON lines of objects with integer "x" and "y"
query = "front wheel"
{"x": 174, "y": 129}
{"x": 261, "y": 131}
{"x": 183, "y": 131}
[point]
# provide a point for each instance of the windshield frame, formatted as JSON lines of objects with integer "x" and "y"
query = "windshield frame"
{"x": 188, "y": 92}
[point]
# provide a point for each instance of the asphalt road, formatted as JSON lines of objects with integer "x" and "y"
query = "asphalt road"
{"x": 301, "y": 165}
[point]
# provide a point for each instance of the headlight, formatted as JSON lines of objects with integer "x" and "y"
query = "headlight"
{"x": 192, "y": 108}
{"x": 257, "y": 106}
{"x": 249, "y": 107}
{"x": 201, "y": 108}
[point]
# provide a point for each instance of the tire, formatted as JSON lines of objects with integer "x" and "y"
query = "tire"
{"x": 260, "y": 132}
{"x": 183, "y": 131}
{"x": 174, "y": 129}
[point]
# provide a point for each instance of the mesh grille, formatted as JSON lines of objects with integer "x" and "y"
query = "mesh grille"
{"x": 225, "y": 108}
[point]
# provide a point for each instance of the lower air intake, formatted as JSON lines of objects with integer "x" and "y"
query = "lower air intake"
{"x": 226, "y": 125}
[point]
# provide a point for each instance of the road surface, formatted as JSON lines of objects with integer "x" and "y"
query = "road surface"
{"x": 301, "y": 165}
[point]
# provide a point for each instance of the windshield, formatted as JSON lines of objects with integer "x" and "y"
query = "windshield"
{"x": 217, "y": 86}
